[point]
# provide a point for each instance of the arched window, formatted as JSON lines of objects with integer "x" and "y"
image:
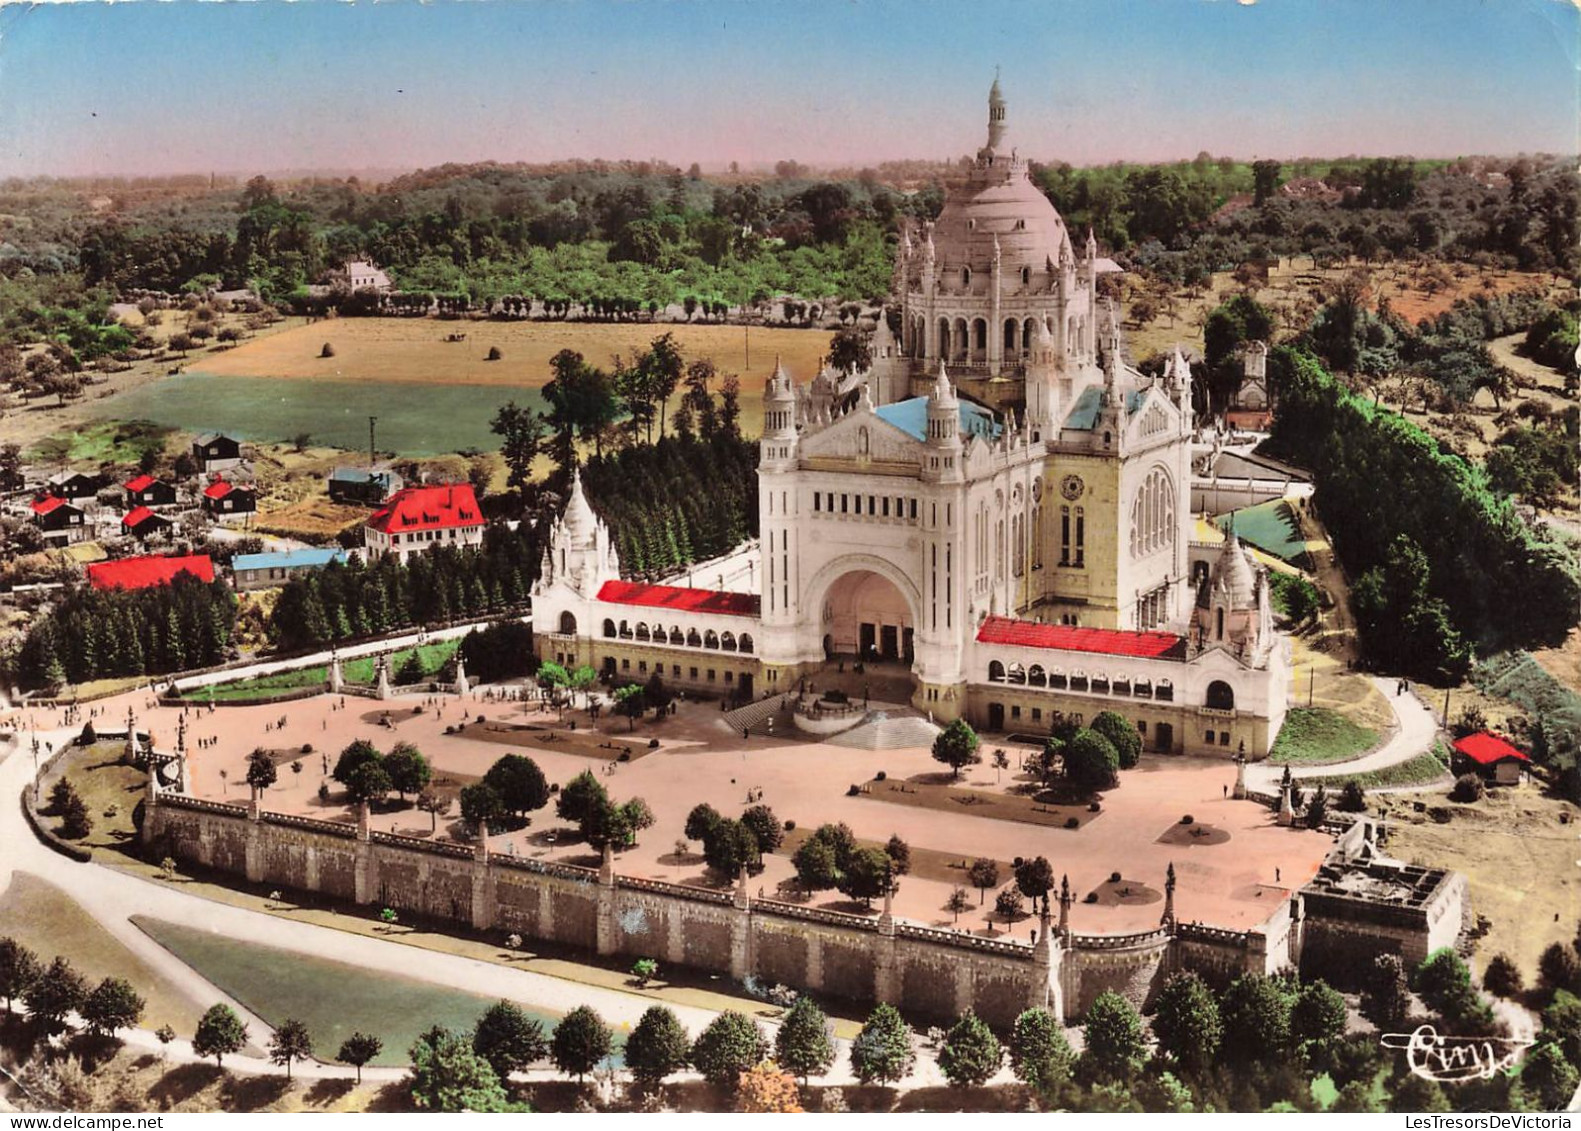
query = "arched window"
{"x": 693, "y": 639}
{"x": 944, "y": 337}
{"x": 642, "y": 631}
{"x": 1153, "y": 514}
{"x": 1143, "y": 689}
{"x": 1012, "y": 336}
{"x": 1165, "y": 692}
{"x": 996, "y": 672}
{"x": 609, "y": 628}
{"x": 1057, "y": 680}
{"x": 625, "y": 631}
{"x": 962, "y": 342}
{"x": 746, "y": 642}
{"x": 1221, "y": 696}
{"x": 727, "y": 641}
{"x": 1078, "y": 681}
{"x": 979, "y": 339}
{"x": 1100, "y": 684}
{"x": 1219, "y": 623}
{"x": 567, "y": 624}
{"x": 966, "y": 276}
{"x": 676, "y": 636}
{"x": 1017, "y": 674}
{"x": 1026, "y": 276}
{"x": 1036, "y": 676}
{"x": 710, "y": 639}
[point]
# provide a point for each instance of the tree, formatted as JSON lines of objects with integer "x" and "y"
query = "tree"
{"x": 1256, "y": 1013}
{"x": 291, "y": 1042}
{"x": 764, "y": 1088}
{"x": 1502, "y": 978}
{"x": 1122, "y": 735}
{"x": 435, "y": 804}
{"x": 730, "y": 846}
{"x": 1187, "y": 1024}
{"x": 657, "y": 1047}
{"x": 731, "y": 1044}
{"x": 629, "y": 701}
{"x": 356, "y": 754}
{"x": 112, "y": 1005}
{"x": 519, "y": 782}
{"x": 1317, "y": 807}
{"x": 581, "y": 796}
{"x": 1549, "y": 1078}
{"x": 508, "y": 1039}
{"x": 1385, "y": 996}
{"x": 959, "y": 901}
{"x": 1443, "y": 974}
{"x": 1008, "y": 905}
{"x": 699, "y": 821}
{"x": 164, "y": 1035}
{"x": 521, "y": 432}
{"x": 1113, "y": 1031}
{"x": 804, "y": 1044}
{"x": 884, "y": 1049}
{"x": 19, "y": 969}
{"x": 261, "y": 772}
{"x": 75, "y": 822}
{"x": 1091, "y": 761}
{"x": 1558, "y": 968}
{"x": 219, "y": 1032}
{"x": 408, "y": 770}
{"x": 1414, "y": 1094}
{"x": 1035, "y": 878}
{"x": 358, "y": 1049}
{"x": 1001, "y": 763}
{"x": 867, "y": 875}
{"x": 481, "y": 806}
{"x": 956, "y": 746}
{"x": 1265, "y": 181}
{"x": 1317, "y": 1021}
{"x": 850, "y": 352}
{"x": 971, "y": 1054}
{"x": 448, "y": 1076}
{"x": 765, "y": 827}
{"x": 58, "y": 990}
{"x": 1039, "y": 1052}
{"x": 984, "y": 874}
{"x": 368, "y": 782}
{"x": 581, "y": 1040}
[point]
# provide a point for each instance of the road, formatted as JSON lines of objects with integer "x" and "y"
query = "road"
{"x": 1415, "y": 728}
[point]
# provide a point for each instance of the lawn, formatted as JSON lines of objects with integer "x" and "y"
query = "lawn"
{"x": 1421, "y": 770}
{"x": 111, "y": 441}
{"x": 109, "y": 789}
{"x": 333, "y": 999}
{"x": 361, "y": 670}
{"x": 1271, "y": 527}
{"x": 49, "y": 922}
{"x": 1316, "y": 736}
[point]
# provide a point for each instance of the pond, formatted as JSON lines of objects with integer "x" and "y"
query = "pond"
{"x": 414, "y": 419}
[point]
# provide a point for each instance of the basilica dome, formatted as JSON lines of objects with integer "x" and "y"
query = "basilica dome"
{"x": 1001, "y": 201}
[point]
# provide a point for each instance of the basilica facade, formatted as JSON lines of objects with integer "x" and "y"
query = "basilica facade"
{"x": 999, "y": 504}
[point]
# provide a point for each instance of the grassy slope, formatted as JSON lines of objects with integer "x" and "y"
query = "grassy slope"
{"x": 1315, "y": 736}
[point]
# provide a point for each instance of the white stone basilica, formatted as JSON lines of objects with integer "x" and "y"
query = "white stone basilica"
{"x": 1000, "y": 504}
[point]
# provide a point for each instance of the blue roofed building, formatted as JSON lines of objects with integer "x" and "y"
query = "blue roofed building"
{"x": 359, "y": 486}
{"x": 270, "y": 571}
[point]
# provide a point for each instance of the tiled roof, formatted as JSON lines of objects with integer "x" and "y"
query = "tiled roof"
{"x": 142, "y": 573}
{"x": 1486, "y": 749}
{"x": 1065, "y": 638}
{"x": 428, "y": 508}
{"x": 676, "y": 599}
{"x": 139, "y": 515}
{"x": 47, "y": 505}
{"x": 141, "y": 483}
{"x": 222, "y": 487}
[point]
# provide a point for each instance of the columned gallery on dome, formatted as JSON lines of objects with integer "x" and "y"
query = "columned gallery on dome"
{"x": 998, "y": 509}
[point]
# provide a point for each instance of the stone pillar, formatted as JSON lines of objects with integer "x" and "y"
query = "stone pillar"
{"x": 1239, "y": 793}
{"x": 965, "y": 978}
{"x": 1168, "y": 919}
{"x": 886, "y": 972}
{"x": 365, "y": 871}
{"x": 545, "y": 911}
{"x": 152, "y": 817}
{"x": 384, "y": 691}
{"x": 741, "y": 929}
{"x": 608, "y": 928}
{"x": 675, "y": 935}
{"x": 1287, "y": 814}
{"x": 814, "y": 962}
{"x": 1064, "y": 910}
{"x": 310, "y": 874}
{"x": 336, "y": 679}
{"x": 482, "y": 887}
{"x": 996, "y": 330}
{"x": 461, "y": 676}
{"x": 254, "y": 851}
{"x": 1045, "y": 986}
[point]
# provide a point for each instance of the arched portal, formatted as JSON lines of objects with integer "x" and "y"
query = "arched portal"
{"x": 865, "y": 615}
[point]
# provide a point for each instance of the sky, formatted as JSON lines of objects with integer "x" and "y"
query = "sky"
{"x": 147, "y": 87}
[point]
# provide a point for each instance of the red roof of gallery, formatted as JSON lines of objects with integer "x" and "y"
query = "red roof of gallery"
{"x": 1065, "y": 638}
{"x": 48, "y": 503}
{"x": 141, "y": 483}
{"x": 143, "y": 573}
{"x": 1486, "y": 749}
{"x": 676, "y": 599}
{"x": 428, "y": 508}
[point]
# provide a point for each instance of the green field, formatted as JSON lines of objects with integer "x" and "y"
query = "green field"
{"x": 1272, "y": 528}
{"x": 1421, "y": 770}
{"x": 1316, "y": 736}
{"x": 332, "y": 999}
{"x": 361, "y": 670}
{"x": 113, "y": 441}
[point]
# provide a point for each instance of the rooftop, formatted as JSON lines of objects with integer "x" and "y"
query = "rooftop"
{"x": 222, "y": 487}
{"x": 48, "y": 505}
{"x": 310, "y": 558}
{"x": 1066, "y": 638}
{"x": 146, "y": 572}
{"x": 1487, "y": 749}
{"x": 141, "y": 483}
{"x": 676, "y": 599}
{"x": 911, "y": 417}
{"x": 139, "y": 515}
{"x": 428, "y": 508}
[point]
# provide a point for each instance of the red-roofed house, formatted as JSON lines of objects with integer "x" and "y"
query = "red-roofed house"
{"x": 60, "y": 522}
{"x": 1490, "y": 756}
{"x": 223, "y": 499}
{"x": 145, "y": 572}
{"x": 143, "y": 524}
{"x": 417, "y": 519}
{"x": 146, "y": 491}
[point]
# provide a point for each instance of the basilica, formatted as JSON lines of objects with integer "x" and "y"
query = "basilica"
{"x": 999, "y": 506}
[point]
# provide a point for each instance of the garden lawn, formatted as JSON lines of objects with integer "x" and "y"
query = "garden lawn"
{"x": 361, "y": 670}
{"x": 333, "y": 999}
{"x": 109, "y": 789}
{"x": 49, "y": 922}
{"x": 1316, "y": 736}
{"x": 1271, "y": 527}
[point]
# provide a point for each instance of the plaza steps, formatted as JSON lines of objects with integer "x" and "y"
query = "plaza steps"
{"x": 890, "y": 729}
{"x": 755, "y": 716}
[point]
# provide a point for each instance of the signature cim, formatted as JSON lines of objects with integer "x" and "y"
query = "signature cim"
{"x": 1453, "y": 1059}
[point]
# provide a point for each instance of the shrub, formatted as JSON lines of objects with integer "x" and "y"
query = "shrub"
{"x": 854, "y": 791}
{"x": 1502, "y": 977}
{"x": 1187, "y": 820}
{"x": 327, "y": 351}
{"x": 880, "y": 776}
{"x": 1468, "y": 788}
{"x": 1353, "y": 798}
{"x": 1072, "y": 823}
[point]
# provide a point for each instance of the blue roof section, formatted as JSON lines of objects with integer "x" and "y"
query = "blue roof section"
{"x": 288, "y": 559}
{"x": 911, "y": 417}
{"x": 1084, "y": 413}
{"x": 358, "y": 475}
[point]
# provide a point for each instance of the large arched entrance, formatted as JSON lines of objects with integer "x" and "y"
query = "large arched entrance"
{"x": 866, "y": 616}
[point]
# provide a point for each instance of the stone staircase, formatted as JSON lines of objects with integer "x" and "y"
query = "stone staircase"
{"x": 755, "y": 716}
{"x": 888, "y": 729}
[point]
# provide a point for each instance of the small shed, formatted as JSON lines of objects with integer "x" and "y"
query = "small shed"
{"x": 215, "y": 451}
{"x": 1489, "y": 756}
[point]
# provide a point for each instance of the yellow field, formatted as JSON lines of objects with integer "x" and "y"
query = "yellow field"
{"x": 414, "y": 350}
